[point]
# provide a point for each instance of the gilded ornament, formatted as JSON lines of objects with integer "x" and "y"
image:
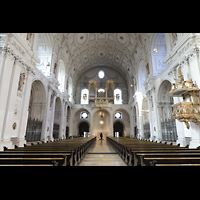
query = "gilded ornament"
{"x": 188, "y": 110}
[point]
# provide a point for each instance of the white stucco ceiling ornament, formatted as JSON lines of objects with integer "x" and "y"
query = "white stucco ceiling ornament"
{"x": 81, "y": 38}
{"x": 88, "y": 50}
{"x": 122, "y": 38}
{"x": 101, "y": 53}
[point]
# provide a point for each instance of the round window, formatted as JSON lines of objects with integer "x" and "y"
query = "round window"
{"x": 101, "y": 74}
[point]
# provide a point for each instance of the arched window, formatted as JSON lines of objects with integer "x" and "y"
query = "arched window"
{"x": 158, "y": 52}
{"x": 117, "y": 96}
{"x": 44, "y": 52}
{"x": 61, "y": 75}
{"x": 141, "y": 76}
{"x": 70, "y": 89}
{"x": 101, "y": 74}
{"x": 84, "y": 96}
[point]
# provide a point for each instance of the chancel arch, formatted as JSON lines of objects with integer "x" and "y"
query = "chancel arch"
{"x": 102, "y": 123}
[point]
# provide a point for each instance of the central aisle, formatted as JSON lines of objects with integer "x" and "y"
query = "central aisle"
{"x": 102, "y": 154}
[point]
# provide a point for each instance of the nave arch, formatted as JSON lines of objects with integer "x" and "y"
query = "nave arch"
{"x": 36, "y": 111}
{"x": 167, "y": 123}
{"x": 57, "y": 125}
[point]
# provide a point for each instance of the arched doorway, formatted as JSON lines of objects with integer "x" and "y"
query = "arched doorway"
{"x": 83, "y": 129}
{"x": 118, "y": 129}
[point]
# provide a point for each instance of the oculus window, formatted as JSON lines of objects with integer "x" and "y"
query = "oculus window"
{"x": 101, "y": 74}
{"x": 84, "y": 115}
{"x": 118, "y": 115}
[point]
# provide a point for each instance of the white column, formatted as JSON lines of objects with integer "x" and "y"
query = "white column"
{"x": 52, "y": 119}
{"x": 5, "y": 86}
{"x": 159, "y": 119}
{"x": 24, "y": 107}
{"x": 91, "y": 122}
{"x": 7, "y": 130}
{"x": 45, "y": 124}
{"x": 61, "y": 116}
{"x": 111, "y": 124}
{"x": 132, "y": 124}
{"x": 64, "y": 121}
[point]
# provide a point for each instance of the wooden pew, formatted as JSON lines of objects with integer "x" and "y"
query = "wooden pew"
{"x": 60, "y": 153}
{"x": 30, "y": 160}
{"x": 137, "y": 152}
{"x": 136, "y": 161}
{"x": 177, "y": 165}
{"x": 64, "y": 157}
{"x": 153, "y": 161}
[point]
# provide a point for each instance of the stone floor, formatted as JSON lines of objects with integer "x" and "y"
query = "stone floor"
{"x": 102, "y": 154}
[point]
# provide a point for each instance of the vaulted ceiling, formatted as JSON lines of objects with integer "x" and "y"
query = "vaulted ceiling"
{"x": 86, "y": 50}
{"x": 99, "y": 49}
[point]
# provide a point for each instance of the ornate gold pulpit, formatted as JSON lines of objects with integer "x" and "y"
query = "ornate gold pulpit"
{"x": 189, "y": 109}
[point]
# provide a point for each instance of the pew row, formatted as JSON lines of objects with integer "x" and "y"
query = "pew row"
{"x": 145, "y": 153}
{"x": 67, "y": 152}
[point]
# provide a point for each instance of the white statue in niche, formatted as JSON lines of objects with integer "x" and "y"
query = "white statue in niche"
{"x": 21, "y": 81}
